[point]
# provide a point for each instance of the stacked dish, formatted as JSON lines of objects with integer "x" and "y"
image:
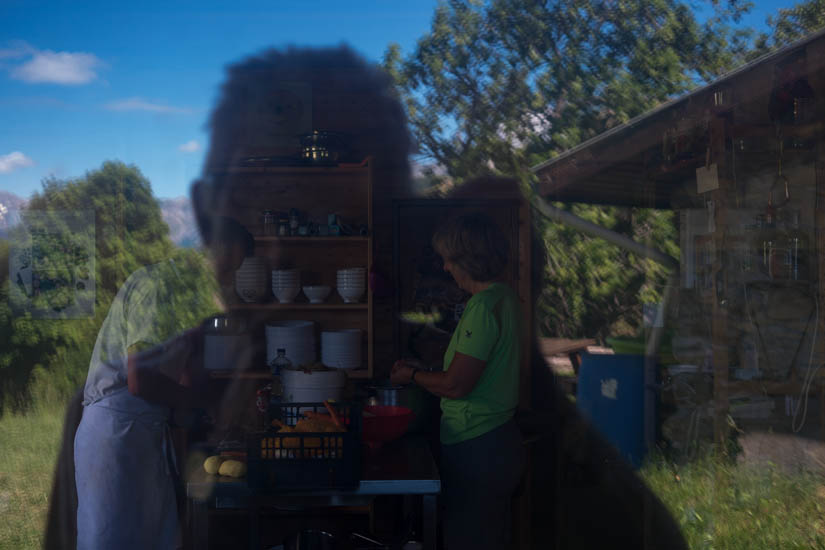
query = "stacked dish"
{"x": 286, "y": 284}
{"x": 352, "y": 283}
{"x": 312, "y": 387}
{"x": 250, "y": 279}
{"x": 341, "y": 349}
{"x": 296, "y": 337}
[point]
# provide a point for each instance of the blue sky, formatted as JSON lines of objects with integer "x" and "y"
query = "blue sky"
{"x": 83, "y": 82}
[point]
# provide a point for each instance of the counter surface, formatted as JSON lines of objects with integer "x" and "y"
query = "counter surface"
{"x": 402, "y": 467}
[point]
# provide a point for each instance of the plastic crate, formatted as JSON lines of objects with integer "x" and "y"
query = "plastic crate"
{"x": 305, "y": 461}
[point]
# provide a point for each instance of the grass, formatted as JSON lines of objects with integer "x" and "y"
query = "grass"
{"x": 718, "y": 505}
{"x": 722, "y": 506}
{"x": 28, "y": 449}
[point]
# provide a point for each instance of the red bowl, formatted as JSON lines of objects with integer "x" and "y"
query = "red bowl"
{"x": 382, "y": 423}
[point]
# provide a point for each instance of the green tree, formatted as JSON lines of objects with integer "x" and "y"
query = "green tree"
{"x": 498, "y": 86}
{"x": 47, "y": 358}
{"x": 790, "y": 24}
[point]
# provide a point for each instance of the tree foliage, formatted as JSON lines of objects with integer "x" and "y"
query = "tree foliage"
{"x": 498, "y": 86}
{"x": 790, "y": 24}
{"x": 47, "y": 358}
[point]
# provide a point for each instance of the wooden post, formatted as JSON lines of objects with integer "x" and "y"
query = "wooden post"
{"x": 816, "y": 78}
{"x": 717, "y": 129}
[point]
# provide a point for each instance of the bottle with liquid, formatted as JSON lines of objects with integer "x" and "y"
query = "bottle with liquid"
{"x": 280, "y": 363}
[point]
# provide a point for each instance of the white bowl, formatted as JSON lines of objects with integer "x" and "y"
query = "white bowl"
{"x": 350, "y": 295}
{"x": 286, "y": 295}
{"x": 317, "y": 293}
{"x": 286, "y": 272}
{"x": 352, "y": 284}
{"x": 286, "y": 284}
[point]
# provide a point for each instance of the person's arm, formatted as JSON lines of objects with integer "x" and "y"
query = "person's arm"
{"x": 454, "y": 383}
{"x": 146, "y": 380}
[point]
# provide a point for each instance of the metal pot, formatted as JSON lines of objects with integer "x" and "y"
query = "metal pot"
{"x": 310, "y": 539}
{"x": 395, "y": 396}
{"x": 224, "y": 339}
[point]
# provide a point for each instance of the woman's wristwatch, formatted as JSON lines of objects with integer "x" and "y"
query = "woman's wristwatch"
{"x": 412, "y": 376}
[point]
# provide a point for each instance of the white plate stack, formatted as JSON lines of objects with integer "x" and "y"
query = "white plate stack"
{"x": 341, "y": 349}
{"x": 296, "y": 337}
{"x": 250, "y": 279}
{"x": 286, "y": 284}
{"x": 352, "y": 282}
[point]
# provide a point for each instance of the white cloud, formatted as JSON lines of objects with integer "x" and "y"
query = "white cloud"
{"x": 139, "y": 104}
{"x": 13, "y": 161}
{"x": 46, "y": 66}
{"x": 190, "y": 146}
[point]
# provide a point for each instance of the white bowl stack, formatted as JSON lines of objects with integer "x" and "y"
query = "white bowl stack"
{"x": 286, "y": 284}
{"x": 296, "y": 337}
{"x": 250, "y": 279}
{"x": 341, "y": 349}
{"x": 352, "y": 282}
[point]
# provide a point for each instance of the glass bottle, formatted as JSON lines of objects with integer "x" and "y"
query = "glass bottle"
{"x": 280, "y": 363}
{"x": 283, "y": 225}
{"x": 268, "y": 223}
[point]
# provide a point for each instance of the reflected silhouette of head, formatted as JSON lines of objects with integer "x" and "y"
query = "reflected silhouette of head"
{"x": 270, "y": 98}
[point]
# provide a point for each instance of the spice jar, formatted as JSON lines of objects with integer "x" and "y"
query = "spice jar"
{"x": 268, "y": 223}
{"x": 283, "y": 225}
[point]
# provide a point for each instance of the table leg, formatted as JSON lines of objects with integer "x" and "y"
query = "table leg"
{"x": 199, "y": 516}
{"x": 429, "y": 522}
{"x": 254, "y": 523}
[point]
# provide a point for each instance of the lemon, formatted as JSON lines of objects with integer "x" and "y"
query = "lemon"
{"x": 212, "y": 464}
{"x": 232, "y": 468}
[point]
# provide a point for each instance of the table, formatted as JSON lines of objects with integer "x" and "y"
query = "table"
{"x": 559, "y": 346}
{"x": 403, "y": 467}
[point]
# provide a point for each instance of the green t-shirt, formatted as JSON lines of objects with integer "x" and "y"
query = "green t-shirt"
{"x": 490, "y": 330}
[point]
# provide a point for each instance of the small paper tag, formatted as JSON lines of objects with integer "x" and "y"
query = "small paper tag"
{"x": 707, "y": 178}
{"x": 609, "y": 388}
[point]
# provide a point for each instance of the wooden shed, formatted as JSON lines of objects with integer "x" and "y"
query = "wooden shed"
{"x": 742, "y": 162}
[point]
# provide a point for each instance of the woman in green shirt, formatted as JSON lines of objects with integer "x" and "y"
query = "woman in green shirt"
{"x": 482, "y": 456}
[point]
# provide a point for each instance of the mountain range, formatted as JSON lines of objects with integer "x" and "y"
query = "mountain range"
{"x": 177, "y": 213}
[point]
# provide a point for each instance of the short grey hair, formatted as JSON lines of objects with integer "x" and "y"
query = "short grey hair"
{"x": 474, "y": 243}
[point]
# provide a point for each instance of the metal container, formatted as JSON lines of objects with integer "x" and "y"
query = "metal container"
{"x": 394, "y": 396}
{"x": 224, "y": 339}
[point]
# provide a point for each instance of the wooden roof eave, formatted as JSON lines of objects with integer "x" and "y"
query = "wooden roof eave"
{"x": 564, "y": 177}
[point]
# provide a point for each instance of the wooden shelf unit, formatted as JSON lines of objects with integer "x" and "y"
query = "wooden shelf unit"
{"x": 345, "y": 190}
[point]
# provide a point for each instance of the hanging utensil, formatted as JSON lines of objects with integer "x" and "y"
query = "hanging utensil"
{"x": 781, "y": 181}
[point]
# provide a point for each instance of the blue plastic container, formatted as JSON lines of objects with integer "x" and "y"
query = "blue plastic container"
{"x": 611, "y": 395}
